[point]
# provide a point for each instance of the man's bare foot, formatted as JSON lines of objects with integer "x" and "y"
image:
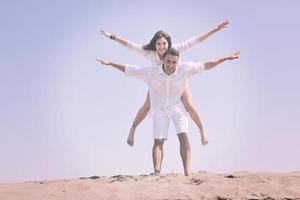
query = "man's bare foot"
{"x": 156, "y": 172}
{"x": 130, "y": 139}
{"x": 187, "y": 173}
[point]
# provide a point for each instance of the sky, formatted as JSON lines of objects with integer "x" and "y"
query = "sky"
{"x": 64, "y": 115}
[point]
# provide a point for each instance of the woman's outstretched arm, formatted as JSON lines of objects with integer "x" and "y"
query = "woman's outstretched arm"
{"x": 198, "y": 39}
{"x": 138, "y": 48}
{"x": 114, "y": 37}
{"x": 204, "y": 36}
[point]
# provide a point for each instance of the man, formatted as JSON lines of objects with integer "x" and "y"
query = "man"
{"x": 166, "y": 85}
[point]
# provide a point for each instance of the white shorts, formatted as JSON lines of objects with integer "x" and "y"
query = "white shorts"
{"x": 161, "y": 120}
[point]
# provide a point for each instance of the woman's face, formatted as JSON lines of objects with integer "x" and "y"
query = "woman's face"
{"x": 161, "y": 45}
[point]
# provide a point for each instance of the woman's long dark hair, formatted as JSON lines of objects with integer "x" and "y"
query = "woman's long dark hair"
{"x": 152, "y": 44}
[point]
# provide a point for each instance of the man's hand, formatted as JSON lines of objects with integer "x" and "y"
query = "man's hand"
{"x": 104, "y": 62}
{"x": 233, "y": 55}
{"x": 223, "y": 25}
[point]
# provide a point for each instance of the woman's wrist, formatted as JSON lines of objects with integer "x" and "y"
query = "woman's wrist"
{"x": 112, "y": 37}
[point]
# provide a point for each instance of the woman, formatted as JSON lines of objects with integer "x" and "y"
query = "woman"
{"x": 154, "y": 52}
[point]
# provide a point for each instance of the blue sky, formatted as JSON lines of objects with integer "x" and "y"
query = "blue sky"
{"x": 63, "y": 115}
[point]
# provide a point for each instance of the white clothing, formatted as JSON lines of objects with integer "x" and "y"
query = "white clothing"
{"x": 165, "y": 90}
{"x": 162, "y": 118}
{"x": 153, "y": 56}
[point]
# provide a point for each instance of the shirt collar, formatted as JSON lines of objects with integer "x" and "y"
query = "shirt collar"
{"x": 161, "y": 71}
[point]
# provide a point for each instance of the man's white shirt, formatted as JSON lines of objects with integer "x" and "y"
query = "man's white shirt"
{"x": 165, "y": 90}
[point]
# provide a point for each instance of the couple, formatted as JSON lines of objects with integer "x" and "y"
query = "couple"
{"x": 168, "y": 97}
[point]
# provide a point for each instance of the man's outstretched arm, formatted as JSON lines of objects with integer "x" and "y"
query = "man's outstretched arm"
{"x": 211, "y": 64}
{"x": 115, "y": 65}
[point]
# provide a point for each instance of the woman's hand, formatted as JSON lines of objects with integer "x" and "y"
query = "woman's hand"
{"x": 106, "y": 34}
{"x": 223, "y": 25}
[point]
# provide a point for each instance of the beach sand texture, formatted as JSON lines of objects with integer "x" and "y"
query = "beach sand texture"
{"x": 200, "y": 185}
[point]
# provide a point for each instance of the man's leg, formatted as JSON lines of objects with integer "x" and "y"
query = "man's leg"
{"x": 185, "y": 152}
{"x": 157, "y": 154}
{"x": 160, "y": 134}
{"x": 181, "y": 123}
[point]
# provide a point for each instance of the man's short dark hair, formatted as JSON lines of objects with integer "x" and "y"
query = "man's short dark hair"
{"x": 172, "y": 52}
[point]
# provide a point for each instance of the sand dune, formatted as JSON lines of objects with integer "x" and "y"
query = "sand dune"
{"x": 201, "y": 185}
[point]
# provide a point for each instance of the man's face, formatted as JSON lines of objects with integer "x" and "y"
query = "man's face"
{"x": 170, "y": 63}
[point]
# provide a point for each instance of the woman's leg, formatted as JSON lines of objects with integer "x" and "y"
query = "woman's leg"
{"x": 140, "y": 116}
{"x": 189, "y": 106}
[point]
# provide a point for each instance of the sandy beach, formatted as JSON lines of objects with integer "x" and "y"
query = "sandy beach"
{"x": 200, "y": 185}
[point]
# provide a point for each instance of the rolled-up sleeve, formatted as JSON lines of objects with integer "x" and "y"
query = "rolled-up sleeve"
{"x": 130, "y": 70}
{"x": 192, "y": 68}
{"x": 137, "y": 72}
{"x": 188, "y": 44}
{"x": 137, "y": 48}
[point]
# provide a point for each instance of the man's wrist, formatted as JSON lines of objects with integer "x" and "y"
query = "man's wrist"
{"x": 224, "y": 59}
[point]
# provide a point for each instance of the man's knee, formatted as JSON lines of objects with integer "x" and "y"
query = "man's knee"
{"x": 183, "y": 138}
{"x": 158, "y": 142}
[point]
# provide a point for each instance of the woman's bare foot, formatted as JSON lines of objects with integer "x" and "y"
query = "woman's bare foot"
{"x": 203, "y": 138}
{"x": 130, "y": 139}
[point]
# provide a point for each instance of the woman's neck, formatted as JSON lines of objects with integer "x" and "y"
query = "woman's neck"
{"x": 160, "y": 56}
